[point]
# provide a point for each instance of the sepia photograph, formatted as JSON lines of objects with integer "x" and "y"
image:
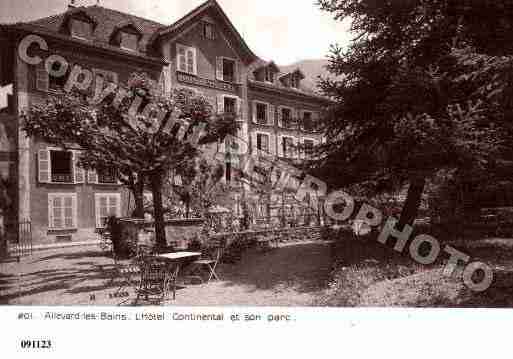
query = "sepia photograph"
{"x": 302, "y": 153}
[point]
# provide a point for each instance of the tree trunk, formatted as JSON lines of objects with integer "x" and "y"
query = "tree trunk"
{"x": 138, "y": 192}
{"x": 156, "y": 188}
{"x": 412, "y": 204}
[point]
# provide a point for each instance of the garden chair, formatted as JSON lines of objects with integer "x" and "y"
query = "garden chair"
{"x": 124, "y": 270}
{"x": 209, "y": 260}
{"x": 156, "y": 277}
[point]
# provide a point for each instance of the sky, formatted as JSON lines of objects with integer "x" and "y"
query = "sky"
{"x": 285, "y": 31}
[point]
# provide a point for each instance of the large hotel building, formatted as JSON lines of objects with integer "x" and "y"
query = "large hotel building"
{"x": 201, "y": 51}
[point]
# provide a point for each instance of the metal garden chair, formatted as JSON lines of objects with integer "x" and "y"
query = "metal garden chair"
{"x": 156, "y": 278}
{"x": 209, "y": 260}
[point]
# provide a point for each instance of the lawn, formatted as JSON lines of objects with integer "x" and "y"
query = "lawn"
{"x": 367, "y": 273}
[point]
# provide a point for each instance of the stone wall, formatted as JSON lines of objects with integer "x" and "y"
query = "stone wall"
{"x": 181, "y": 231}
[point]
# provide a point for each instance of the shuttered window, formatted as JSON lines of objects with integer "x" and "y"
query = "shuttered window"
{"x": 263, "y": 142}
{"x": 62, "y": 211}
{"x": 186, "y": 59}
{"x": 57, "y": 166}
{"x": 261, "y": 113}
{"x": 106, "y": 205}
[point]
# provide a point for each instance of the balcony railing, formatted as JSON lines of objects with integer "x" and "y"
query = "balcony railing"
{"x": 62, "y": 178}
{"x": 107, "y": 179}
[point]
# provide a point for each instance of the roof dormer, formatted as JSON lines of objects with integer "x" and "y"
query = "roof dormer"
{"x": 78, "y": 24}
{"x": 292, "y": 79}
{"x": 127, "y": 36}
{"x": 267, "y": 72}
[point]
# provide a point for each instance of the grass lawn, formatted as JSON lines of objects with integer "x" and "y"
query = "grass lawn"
{"x": 371, "y": 274}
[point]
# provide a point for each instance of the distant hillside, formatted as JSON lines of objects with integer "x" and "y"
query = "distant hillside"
{"x": 311, "y": 68}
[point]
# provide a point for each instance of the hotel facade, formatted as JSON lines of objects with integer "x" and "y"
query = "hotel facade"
{"x": 202, "y": 51}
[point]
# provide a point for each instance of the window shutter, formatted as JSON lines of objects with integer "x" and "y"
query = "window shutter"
{"x": 254, "y": 142}
{"x": 92, "y": 177}
{"x": 69, "y": 212}
{"x": 237, "y": 71}
{"x": 254, "y": 112}
{"x": 78, "y": 172}
{"x": 270, "y": 119}
{"x": 280, "y": 116}
{"x": 272, "y": 144}
{"x": 220, "y": 103}
{"x": 50, "y": 212}
{"x": 192, "y": 52}
{"x": 219, "y": 69}
{"x": 44, "y": 166}
{"x": 101, "y": 210}
{"x": 281, "y": 141}
{"x": 295, "y": 150}
{"x": 181, "y": 58}
{"x": 42, "y": 78}
{"x": 238, "y": 109}
{"x": 114, "y": 206}
{"x": 57, "y": 215}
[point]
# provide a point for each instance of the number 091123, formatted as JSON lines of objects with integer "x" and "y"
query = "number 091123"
{"x": 36, "y": 344}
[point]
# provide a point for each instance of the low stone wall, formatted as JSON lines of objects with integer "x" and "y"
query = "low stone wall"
{"x": 181, "y": 231}
{"x": 288, "y": 235}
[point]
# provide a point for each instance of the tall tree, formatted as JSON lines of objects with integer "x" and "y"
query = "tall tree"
{"x": 402, "y": 111}
{"x": 136, "y": 129}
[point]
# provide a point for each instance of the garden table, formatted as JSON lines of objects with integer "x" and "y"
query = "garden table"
{"x": 175, "y": 262}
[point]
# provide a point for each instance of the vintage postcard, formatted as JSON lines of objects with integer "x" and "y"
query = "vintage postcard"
{"x": 254, "y": 154}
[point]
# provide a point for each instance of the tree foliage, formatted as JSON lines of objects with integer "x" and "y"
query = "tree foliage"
{"x": 137, "y": 130}
{"x": 414, "y": 97}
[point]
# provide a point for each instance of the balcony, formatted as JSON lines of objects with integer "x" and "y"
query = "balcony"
{"x": 62, "y": 178}
{"x": 107, "y": 178}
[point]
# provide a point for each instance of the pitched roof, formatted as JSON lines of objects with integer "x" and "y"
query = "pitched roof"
{"x": 107, "y": 20}
{"x": 192, "y": 15}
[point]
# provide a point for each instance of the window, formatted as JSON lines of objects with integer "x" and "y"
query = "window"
{"x": 308, "y": 147}
{"x": 263, "y": 142}
{"x": 261, "y": 113}
{"x": 61, "y": 166}
{"x": 230, "y": 105}
{"x": 62, "y": 211}
{"x": 186, "y": 59}
{"x": 209, "y": 31}
{"x": 294, "y": 81}
{"x": 58, "y": 166}
{"x": 129, "y": 41}
{"x": 81, "y": 29}
{"x": 106, "y": 205}
{"x": 308, "y": 124}
{"x": 287, "y": 147}
{"x": 269, "y": 75}
{"x": 107, "y": 176}
{"x": 228, "y": 70}
{"x": 286, "y": 118}
{"x": 228, "y": 172}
